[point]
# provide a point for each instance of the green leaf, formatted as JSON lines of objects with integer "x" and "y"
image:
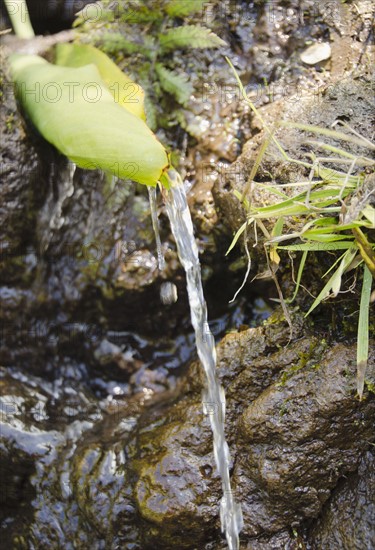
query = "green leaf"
{"x": 323, "y": 237}
{"x": 296, "y": 206}
{"x": 334, "y": 282}
{"x": 369, "y": 213}
{"x": 114, "y": 42}
{"x": 175, "y": 84}
{"x": 181, "y": 8}
{"x": 334, "y": 134}
{"x": 125, "y": 92}
{"x": 189, "y": 36}
{"x": 238, "y": 234}
{"x": 73, "y": 109}
{"x": 139, "y": 12}
{"x": 299, "y": 276}
{"x": 318, "y": 247}
{"x": 363, "y": 330}
{"x": 278, "y": 228}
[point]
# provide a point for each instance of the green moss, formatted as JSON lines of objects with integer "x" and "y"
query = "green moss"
{"x": 370, "y": 385}
{"x": 307, "y": 360}
{"x": 9, "y": 122}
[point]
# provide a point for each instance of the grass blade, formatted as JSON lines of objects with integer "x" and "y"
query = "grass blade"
{"x": 238, "y": 235}
{"x": 363, "y": 329}
{"x": 334, "y": 134}
{"x": 317, "y": 246}
{"x": 334, "y": 282}
{"x": 299, "y": 276}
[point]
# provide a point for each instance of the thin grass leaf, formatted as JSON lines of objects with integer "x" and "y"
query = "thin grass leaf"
{"x": 354, "y": 224}
{"x": 335, "y": 176}
{"x": 248, "y": 266}
{"x": 331, "y": 268}
{"x": 332, "y": 229}
{"x": 275, "y": 190}
{"x": 256, "y": 165}
{"x": 238, "y": 235}
{"x": 334, "y": 282}
{"x": 299, "y": 276}
{"x": 323, "y": 237}
{"x": 278, "y": 228}
{"x": 330, "y": 133}
{"x": 239, "y": 196}
{"x": 339, "y": 122}
{"x": 363, "y": 330}
{"x": 282, "y": 151}
{"x": 369, "y": 213}
{"x": 326, "y": 221}
{"x": 295, "y": 206}
{"x": 189, "y": 36}
{"x": 318, "y": 247}
{"x": 328, "y": 147}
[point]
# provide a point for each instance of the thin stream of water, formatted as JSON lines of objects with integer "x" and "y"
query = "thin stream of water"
{"x": 52, "y": 210}
{"x": 213, "y": 395}
{"x": 155, "y": 225}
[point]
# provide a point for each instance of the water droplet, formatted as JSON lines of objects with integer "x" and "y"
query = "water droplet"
{"x": 168, "y": 293}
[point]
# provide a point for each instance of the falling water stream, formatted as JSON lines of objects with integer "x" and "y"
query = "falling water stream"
{"x": 52, "y": 212}
{"x": 213, "y": 394}
{"x": 155, "y": 225}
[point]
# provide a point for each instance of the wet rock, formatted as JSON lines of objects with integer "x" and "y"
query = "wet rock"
{"x": 306, "y": 431}
{"x": 348, "y": 518}
{"x": 141, "y": 472}
{"x": 22, "y": 187}
{"x": 300, "y": 429}
{"x": 73, "y": 243}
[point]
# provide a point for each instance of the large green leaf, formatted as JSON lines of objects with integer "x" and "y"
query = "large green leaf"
{"x": 127, "y": 93}
{"x": 73, "y": 109}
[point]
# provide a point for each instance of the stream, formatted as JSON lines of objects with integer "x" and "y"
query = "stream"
{"x": 213, "y": 395}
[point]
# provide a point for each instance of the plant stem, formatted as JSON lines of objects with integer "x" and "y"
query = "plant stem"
{"x": 365, "y": 249}
{"x": 20, "y": 19}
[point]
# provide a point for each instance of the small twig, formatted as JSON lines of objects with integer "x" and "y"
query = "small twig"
{"x": 38, "y": 44}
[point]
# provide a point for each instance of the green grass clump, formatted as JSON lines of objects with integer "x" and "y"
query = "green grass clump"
{"x": 332, "y": 210}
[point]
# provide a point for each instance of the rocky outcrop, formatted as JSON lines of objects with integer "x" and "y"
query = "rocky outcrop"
{"x": 142, "y": 472}
{"x": 347, "y": 520}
